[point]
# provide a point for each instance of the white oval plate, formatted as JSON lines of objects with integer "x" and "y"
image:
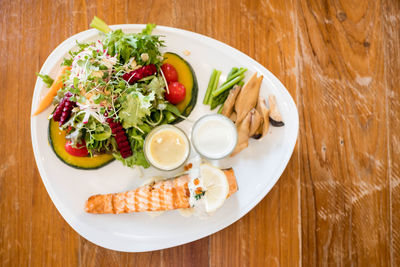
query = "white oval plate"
{"x": 257, "y": 168}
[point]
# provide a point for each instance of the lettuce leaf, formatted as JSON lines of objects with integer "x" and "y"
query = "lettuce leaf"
{"x": 137, "y": 158}
{"x": 157, "y": 86}
{"x": 135, "y": 108}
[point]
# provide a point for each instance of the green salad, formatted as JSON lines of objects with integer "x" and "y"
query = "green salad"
{"x": 113, "y": 94}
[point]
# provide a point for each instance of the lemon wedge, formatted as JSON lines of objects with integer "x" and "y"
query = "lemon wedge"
{"x": 217, "y": 187}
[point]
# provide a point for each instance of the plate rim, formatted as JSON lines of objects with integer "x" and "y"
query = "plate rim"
{"x": 232, "y": 219}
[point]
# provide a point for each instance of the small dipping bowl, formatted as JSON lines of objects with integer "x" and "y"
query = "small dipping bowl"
{"x": 214, "y": 136}
{"x": 166, "y": 147}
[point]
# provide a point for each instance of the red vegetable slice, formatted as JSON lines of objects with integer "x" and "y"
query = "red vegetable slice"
{"x": 64, "y": 109}
{"x": 121, "y": 138}
{"x": 176, "y": 94}
{"x": 140, "y": 73}
{"x": 170, "y": 73}
{"x": 79, "y": 151}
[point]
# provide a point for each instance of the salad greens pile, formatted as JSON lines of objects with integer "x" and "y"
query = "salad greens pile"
{"x": 97, "y": 87}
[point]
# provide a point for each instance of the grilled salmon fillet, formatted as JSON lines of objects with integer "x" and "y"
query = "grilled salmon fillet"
{"x": 163, "y": 195}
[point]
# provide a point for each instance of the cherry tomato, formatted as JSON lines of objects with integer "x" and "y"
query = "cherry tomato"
{"x": 170, "y": 73}
{"x": 79, "y": 151}
{"x": 177, "y": 93}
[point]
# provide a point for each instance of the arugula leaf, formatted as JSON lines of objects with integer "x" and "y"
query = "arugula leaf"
{"x": 99, "y": 24}
{"x": 46, "y": 79}
{"x": 149, "y": 28}
{"x": 81, "y": 46}
{"x": 67, "y": 62}
{"x": 126, "y": 46}
{"x": 135, "y": 108}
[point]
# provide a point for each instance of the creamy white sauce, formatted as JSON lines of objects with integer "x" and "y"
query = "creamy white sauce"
{"x": 214, "y": 136}
{"x": 199, "y": 210}
{"x": 197, "y": 206}
{"x": 166, "y": 147}
{"x": 194, "y": 173}
{"x": 186, "y": 212}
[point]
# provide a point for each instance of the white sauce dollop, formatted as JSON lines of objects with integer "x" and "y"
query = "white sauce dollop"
{"x": 214, "y": 136}
{"x": 197, "y": 205}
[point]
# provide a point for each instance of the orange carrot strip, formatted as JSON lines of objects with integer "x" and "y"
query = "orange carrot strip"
{"x": 48, "y": 98}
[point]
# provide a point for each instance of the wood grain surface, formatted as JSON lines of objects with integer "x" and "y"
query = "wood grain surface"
{"x": 338, "y": 201}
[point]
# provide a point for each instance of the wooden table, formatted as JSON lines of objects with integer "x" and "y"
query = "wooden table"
{"x": 338, "y": 201}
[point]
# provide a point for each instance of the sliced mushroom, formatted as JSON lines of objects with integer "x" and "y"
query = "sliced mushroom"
{"x": 258, "y": 133}
{"x": 264, "y": 111}
{"x": 255, "y": 122}
{"x": 233, "y": 116}
{"x": 243, "y": 129}
{"x": 247, "y": 98}
{"x": 230, "y": 101}
{"x": 274, "y": 116}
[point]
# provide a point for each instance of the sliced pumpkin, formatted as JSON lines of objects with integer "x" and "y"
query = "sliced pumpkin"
{"x": 57, "y": 141}
{"x": 187, "y": 77}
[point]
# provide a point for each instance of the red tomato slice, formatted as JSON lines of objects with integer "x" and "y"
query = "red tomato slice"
{"x": 177, "y": 93}
{"x": 170, "y": 73}
{"x": 79, "y": 151}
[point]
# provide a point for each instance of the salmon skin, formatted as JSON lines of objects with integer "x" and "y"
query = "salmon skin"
{"x": 163, "y": 195}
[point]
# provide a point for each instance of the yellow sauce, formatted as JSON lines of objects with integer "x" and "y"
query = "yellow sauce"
{"x": 167, "y": 148}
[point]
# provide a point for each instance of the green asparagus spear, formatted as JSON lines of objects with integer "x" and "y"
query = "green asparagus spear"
{"x": 220, "y": 99}
{"x": 220, "y": 108}
{"x": 232, "y": 72}
{"x": 215, "y": 86}
{"x": 227, "y": 86}
{"x": 210, "y": 86}
{"x": 233, "y": 76}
